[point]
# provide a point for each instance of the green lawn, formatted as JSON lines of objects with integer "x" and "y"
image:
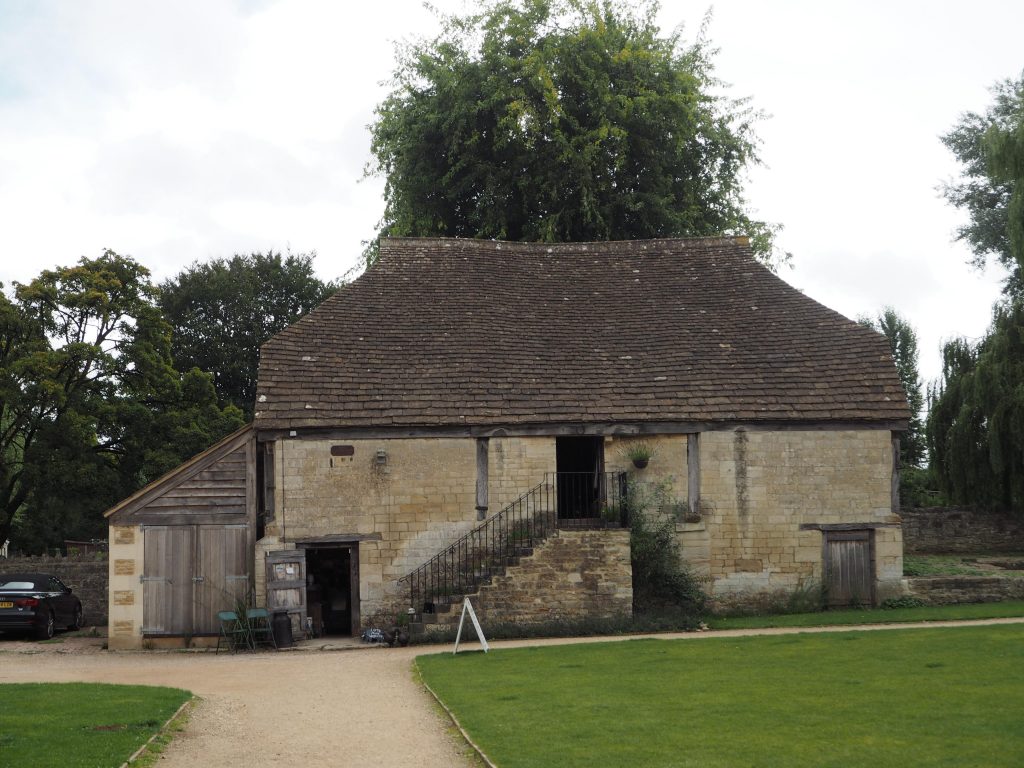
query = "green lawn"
{"x": 923, "y": 697}
{"x": 80, "y": 724}
{"x": 873, "y": 616}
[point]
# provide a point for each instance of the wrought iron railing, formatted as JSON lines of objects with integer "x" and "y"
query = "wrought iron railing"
{"x": 564, "y": 499}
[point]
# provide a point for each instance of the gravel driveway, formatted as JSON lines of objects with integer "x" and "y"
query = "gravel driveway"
{"x": 343, "y": 708}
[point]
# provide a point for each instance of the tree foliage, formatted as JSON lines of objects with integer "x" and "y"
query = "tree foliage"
{"x": 985, "y": 146}
{"x": 91, "y": 407}
{"x": 223, "y": 310}
{"x": 976, "y": 421}
{"x": 563, "y": 120}
{"x": 902, "y": 340}
{"x": 975, "y": 428}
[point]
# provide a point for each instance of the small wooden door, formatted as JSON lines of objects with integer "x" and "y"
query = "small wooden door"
{"x": 167, "y": 580}
{"x": 849, "y": 567}
{"x": 286, "y": 583}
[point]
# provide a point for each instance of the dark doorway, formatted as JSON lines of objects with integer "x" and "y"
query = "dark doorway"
{"x": 332, "y": 589}
{"x": 580, "y": 465}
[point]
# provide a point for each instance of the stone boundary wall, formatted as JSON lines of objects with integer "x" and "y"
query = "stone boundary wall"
{"x": 574, "y": 575}
{"x": 948, "y": 590}
{"x": 933, "y": 530}
{"x": 86, "y": 574}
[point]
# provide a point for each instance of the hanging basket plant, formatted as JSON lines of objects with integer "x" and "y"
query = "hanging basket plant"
{"x": 640, "y": 454}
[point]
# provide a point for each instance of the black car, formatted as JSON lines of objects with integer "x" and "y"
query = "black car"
{"x": 37, "y": 603}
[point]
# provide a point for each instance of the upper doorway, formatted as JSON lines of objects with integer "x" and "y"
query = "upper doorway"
{"x": 579, "y": 462}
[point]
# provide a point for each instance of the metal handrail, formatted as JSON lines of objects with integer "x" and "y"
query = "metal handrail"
{"x": 564, "y": 499}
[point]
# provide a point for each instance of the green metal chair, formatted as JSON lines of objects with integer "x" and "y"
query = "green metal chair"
{"x": 234, "y": 632}
{"x": 260, "y": 630}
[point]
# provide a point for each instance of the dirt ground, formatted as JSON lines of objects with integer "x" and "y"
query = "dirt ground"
{"x": 309, "y": 707}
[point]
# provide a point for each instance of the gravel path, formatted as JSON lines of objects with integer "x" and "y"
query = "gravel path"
{"x": 342, "y": 708}
{"x": 345, "y": 708}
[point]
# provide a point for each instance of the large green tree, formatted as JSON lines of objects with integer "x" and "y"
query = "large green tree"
{"x": 902, "y": 340}
{"x": 563, "y": 120}
{"x": 976, "y": 421}
{"x": 975, "y": 425}
{"x": 221, "y": 311}
{"x": 983, "y": 144}
{"x": 91, "y": 407}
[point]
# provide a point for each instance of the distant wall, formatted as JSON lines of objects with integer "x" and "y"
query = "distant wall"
{"x": 945, "y": 590}
{"x": 954, "y": 530}
{"x": 87, "y": 574}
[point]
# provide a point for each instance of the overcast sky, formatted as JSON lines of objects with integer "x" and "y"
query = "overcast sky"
{"x": 180, "y": 131}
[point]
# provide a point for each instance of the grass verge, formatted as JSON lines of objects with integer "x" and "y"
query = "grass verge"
{"x": 939, "y": 697}
{"x": 1008, "y": 609}
{"x": 80, "y": 724}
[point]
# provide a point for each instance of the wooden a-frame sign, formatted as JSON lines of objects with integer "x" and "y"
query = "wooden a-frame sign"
{"x": 467, "y": 607}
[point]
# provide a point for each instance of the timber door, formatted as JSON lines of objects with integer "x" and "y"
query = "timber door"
{"x": 222, "y": 575}
{"x": 286, "y": 583}
{"x": 167, "y": 580}
{"x": 191, "y": 572}
{"x": 849, "y": 562}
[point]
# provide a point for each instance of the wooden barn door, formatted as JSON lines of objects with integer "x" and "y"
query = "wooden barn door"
{"x": 286, "y": 584}
{"x": 222, "y": 575}
{"x": 849, "y": 567}
{"x": 167, "y": 580}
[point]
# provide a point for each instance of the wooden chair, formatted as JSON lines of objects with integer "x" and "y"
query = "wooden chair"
{"x": 234, "y": 632}
{"x": 260, "y": 630}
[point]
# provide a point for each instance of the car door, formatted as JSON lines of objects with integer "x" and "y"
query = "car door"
{"x": 61, "y": 601}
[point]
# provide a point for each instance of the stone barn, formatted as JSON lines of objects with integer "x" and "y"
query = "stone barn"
{"x": 459, "y": 421}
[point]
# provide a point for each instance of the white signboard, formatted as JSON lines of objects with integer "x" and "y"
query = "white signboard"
{"x": 467, "y": 607}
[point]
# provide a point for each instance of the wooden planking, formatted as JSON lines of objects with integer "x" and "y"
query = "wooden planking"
{"x": 125, "y": 511}
{"x": 223, "y": 570}
{"x": 167, "y": 580}
{"x": 482, "y": 445}
{"x": 849, "y": 572}
{"x": 693, "y": 472}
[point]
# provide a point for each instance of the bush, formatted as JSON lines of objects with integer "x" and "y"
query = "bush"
{"x": 662, "y": 584}
{"x": 906, "y": 601}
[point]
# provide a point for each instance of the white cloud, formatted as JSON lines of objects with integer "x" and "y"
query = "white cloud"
{"x": 180, "y": 131}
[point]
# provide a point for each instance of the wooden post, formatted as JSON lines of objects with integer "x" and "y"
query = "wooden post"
{"x": 895, "y": 487}
{"x": 482, "y": 444}
{"x": 693, "y": 473}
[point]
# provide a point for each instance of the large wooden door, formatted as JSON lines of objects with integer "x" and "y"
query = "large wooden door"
{"x": 286, "y": 584}
{"x": 167, "y": 579}
{"x": 849, "y": 567}
{"x": 222, "y": 574}
{"x": 190, "y": 573}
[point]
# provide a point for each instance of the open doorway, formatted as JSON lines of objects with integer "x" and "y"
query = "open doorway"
{"x": 580, "y": 466}
{"x": 332, "y": 589}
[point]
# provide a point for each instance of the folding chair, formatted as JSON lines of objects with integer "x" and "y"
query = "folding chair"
{"x": 234, "y": 632}
{"x": 260, "y": 630}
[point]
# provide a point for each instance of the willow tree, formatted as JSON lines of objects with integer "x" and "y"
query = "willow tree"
{"x": 563, "y": 120}
{"x": 976, "y": 422}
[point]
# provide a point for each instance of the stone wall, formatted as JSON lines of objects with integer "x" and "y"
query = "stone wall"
{"x": 127, "y": 565}
{"x": 419, "y": 499}
{"x": 762, "y": 492}
{"x": 942, "y": 530}
{"x": 86, "y": 574}
{"x": 945, "y": 590}
{"x": 574, "y": 575}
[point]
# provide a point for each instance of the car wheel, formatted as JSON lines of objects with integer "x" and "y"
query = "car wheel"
{"x": 77, "y": 622}
{"x": 45, "y": 632}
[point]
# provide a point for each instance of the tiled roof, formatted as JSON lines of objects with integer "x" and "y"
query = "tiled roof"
{"x": 443, "y": 332}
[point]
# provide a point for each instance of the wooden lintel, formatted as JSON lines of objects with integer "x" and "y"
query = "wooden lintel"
{"x": 846, "y": 526}
{"x": 612, "y": 429}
